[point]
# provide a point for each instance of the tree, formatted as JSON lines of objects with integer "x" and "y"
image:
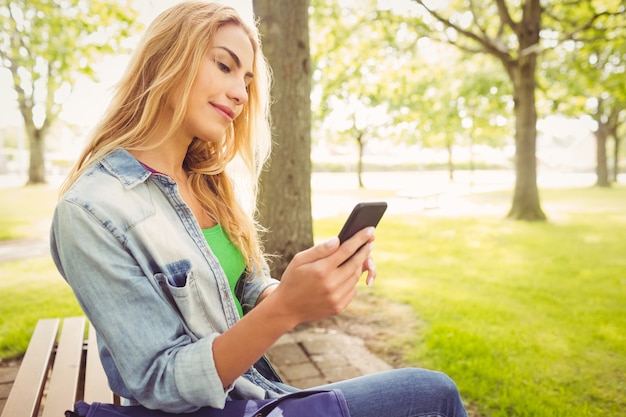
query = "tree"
{"x": 461, "y": 101}
{"x": 614, "y": 131}
{"x": 354, "y": 55}
{"x": 390, "y": 83}
{"x": 513, "y": 38}
{"x": 588, "y": 77}
{"x": 285, "y": 194}
{"x": 47, "y": 44}
{"x": 512, "y": 32}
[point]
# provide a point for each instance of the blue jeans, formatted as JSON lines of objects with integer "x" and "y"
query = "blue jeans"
{"x": 408, "y": 392}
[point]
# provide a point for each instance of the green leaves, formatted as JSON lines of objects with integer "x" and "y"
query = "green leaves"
{"x": 46, "y": 44}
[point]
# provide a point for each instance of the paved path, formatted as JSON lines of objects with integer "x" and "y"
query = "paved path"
{"x": 12, "y": 250}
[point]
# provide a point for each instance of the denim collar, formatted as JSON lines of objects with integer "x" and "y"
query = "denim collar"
{"x": 126, "y": 168}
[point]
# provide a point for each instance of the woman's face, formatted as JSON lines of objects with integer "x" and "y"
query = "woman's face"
{"x": 219, "y": 91}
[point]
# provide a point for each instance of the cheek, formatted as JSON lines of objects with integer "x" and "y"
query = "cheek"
{"x": 174, "y": 99}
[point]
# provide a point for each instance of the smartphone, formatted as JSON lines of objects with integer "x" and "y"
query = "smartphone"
{"x": 363, "y": 215}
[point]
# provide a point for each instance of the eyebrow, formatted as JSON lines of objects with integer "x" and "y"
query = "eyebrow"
{"x": 236, "y": 59}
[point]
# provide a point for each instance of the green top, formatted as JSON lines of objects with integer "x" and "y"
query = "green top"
{"x": 228, "y": 255}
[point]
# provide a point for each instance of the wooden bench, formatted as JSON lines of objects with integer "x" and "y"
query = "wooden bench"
{"x": 54, "y": 374}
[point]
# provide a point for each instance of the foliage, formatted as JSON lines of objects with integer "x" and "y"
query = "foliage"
{"x": 589, "y": 77}
{"x": 46, "y": 45}
{"x": 515, "y": 33}
{"x": 378, "y": 78}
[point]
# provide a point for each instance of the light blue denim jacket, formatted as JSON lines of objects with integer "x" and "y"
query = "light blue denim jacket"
{"x": 142, "y": 271}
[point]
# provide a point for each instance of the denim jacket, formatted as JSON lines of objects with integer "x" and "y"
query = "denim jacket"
{"x": 141, "y": 269}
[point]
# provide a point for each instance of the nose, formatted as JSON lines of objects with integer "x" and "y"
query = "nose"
{"x": 238, "y": 92}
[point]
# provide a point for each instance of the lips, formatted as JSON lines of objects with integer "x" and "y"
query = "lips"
{"x": 225, "y": 110}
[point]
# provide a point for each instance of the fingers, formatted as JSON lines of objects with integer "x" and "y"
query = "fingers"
{"x": 321, "y": 281}
{"x": 371, "y": 271}
{"x": 356, "y": 249}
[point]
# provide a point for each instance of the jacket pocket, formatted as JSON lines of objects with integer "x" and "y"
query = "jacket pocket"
{"x": 181, "y": 289}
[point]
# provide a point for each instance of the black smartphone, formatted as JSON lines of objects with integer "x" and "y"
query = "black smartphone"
{"x": 363, "y": 215}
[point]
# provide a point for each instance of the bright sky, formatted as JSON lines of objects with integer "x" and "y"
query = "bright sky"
{"x": 89, "y": 98}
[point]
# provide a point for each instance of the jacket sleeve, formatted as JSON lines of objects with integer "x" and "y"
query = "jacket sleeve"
{"x": 148, "y": 348}
{"x": 256, "y": 282}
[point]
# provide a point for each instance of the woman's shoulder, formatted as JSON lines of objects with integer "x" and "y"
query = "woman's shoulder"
{"x": 117, "y": 180}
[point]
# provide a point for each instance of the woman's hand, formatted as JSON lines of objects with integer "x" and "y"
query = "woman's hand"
{"x": 320, "y": 282}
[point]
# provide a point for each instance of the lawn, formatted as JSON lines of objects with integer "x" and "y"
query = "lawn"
{"x": 29, "y": 290}
{"x": 528, "y": 318}
{"x": 26, "y": 211}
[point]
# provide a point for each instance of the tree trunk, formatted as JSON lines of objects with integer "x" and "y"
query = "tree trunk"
{"x": 37, "y": 165}
{"x": 450, "y": 162}
{"x": 285, "y": 195}
{"x": 359, "y": 167}
{"x": 526, "y": 204}
{"x": 616, "y": 150}
{"x": 602, "y": 171}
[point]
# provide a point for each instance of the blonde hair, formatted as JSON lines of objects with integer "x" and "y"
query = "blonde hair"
{"x": 167, "y": 57}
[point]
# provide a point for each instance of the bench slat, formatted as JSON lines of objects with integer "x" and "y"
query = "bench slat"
{"x": 28, "y": 386}
{"x": 96, "y": 385}
{"x": 61, "y": 393}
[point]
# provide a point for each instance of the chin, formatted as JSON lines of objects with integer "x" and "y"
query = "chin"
{"x": 212, "y": 138}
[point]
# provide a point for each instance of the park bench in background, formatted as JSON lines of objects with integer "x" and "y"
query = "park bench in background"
{"x": 55, "y": 374}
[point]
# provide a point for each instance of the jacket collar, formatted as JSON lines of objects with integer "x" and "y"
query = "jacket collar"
{"x": 123, "y": 166}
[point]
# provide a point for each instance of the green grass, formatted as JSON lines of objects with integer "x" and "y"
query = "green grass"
{"x": 26, "y": 211}
{"x": 528, "y": 318}
{"x": 29, "y": 290}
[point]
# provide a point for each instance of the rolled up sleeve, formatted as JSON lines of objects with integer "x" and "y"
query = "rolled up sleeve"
{"x": 256, "y": 283}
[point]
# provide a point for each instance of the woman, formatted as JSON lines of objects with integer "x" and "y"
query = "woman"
{"x": 152, "y": 233}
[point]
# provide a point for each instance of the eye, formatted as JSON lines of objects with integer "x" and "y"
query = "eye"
{"x": 222, "y": 67}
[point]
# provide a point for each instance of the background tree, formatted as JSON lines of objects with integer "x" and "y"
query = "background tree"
{"x": 285, "y": 195}
{"x": 458, "y": 101}
{"x": 485, "y": 105}
{"x": 511, "y": 34}
{"x": 377, "y": 78}
{"x": 354, "y": 54}
{"x": 587, "y": 76}
{"x": 512, "y": 31}
{"x": 47, "y": 44}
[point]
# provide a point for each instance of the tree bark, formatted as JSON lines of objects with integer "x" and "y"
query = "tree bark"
{"x": 36, "y": 143}
{"x": 37, "y": 165}
{"x": 285, "y": 194}
{"x": 612, "y": 131}
{"x": 616, "y": 150}
{"x": 602, "y": 172}
{"x": 526, "y": 205}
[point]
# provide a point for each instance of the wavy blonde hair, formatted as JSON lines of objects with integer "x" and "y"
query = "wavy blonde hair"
{"x": 168, "y": 57}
